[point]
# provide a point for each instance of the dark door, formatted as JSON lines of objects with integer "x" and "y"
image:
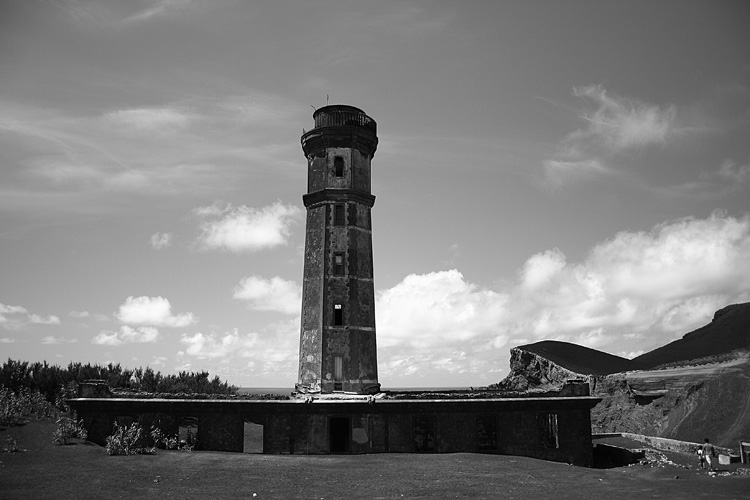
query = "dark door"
{"x": 338, "y": 432}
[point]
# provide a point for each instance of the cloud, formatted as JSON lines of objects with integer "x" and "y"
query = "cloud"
{"x": 127, "y": 335}
{"x": 617, "y": 125}
{"x": 637, "y": 290}
{"x": 8, "y": 310}
{"x": 41, "y": 320}
{"x": 49, "y": 339}
{"x": 244, "y": 228}
{"x": 621, "y": 123}
{"x": 16, "y": 317}
{"x": 161, "y": 8}
{"x": 727, "y": 178}
{"x": 275, "y": 294}
{"x": 154, "y": 311}
{"x": 270, "y": 354}
{"x": 149, "y": 120}
{"x": 79, "y": 314}
{"x": 431, "y": 309}
{"x": 161, "y": 240}
{"x": 7, "y": 340}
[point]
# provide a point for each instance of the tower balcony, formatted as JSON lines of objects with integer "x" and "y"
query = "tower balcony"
{"x": 340, "y": 125}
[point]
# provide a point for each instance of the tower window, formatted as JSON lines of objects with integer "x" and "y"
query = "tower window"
{"x": 338, "y": 215}
{"x": 338, "y": 263}
{"x": 338, "y": 368}
{"x": 338, "y": 315}
{"x": 338, "y": 166}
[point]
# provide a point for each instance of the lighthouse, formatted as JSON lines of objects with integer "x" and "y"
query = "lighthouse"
{"x": 338, "y": 350}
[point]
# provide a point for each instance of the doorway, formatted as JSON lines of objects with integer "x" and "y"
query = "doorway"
{"x": 338, "y": 432}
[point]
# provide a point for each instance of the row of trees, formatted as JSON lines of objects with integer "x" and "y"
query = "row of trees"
{"x": 48, "y": 379}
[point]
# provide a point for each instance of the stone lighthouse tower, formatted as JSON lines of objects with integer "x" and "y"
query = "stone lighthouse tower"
{"x": 338, "y": 351}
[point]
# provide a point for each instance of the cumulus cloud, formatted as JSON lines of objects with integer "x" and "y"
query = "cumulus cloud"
{"x": 275, "y": 294}
{"x": 434, "y": 308}
{"x": 42, "y": 320}
{"x": 126, "y": 335}
{"x": 6, "y": 310}
{"x": 161, "y": 240}
{"x": 16, "y": 317}
{"x": 270, "y": 354}
{"x": 635, "y": 291}
{"x": 80, "y": 314}
{"x": 245, "y": 228}
{"x": 154, "y": 311}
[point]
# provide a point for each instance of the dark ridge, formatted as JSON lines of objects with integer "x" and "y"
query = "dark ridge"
{"x": 581, "y": 359}
{"x": 729, "y": 330}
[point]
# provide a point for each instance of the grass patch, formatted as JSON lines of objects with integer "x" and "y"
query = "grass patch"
{"x": 84, "y": 470}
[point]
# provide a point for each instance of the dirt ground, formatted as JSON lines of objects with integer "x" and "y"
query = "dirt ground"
{"x": 84, "y": 470}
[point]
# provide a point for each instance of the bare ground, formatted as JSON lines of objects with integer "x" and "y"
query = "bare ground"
{"x": 84, "y": 470}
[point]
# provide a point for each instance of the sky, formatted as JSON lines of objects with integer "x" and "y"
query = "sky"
{"x": 574, "y": 171}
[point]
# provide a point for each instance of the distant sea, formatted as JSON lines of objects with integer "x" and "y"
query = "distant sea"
{"x": 285, "y": 391}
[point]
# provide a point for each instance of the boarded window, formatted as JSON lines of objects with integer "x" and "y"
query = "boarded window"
{"x": 338, "y": 215}
{"x": 486, "y": 433}
{"x": 338, "y": 315}
{"x": 338, "y": 263}
{"x": 338, "y": 166}
{"x": 548, "y": 431}
{"x": 424, "y": 433}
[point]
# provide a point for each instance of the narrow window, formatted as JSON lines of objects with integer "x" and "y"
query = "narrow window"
{"x": 548, "y": 431}
{"x": 338, "y": 215}
{"x": 338, "y": 263}
{"x": 338, "y": 368}
{"x": 338, "y": 315}
{"x": 338, "y": 166}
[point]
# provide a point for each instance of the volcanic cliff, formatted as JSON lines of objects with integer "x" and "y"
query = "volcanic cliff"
{"x": 695, "y": 387}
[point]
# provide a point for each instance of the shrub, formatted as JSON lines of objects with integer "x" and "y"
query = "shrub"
{"x": 68, "y": 428}
{"x": 127, "y": 440}
{"x": 12, "y": 446}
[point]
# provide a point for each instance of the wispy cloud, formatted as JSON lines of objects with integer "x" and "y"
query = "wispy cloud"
{"x": 160, "y": 8}
{"x": 161, "y": 240}
{"x": 729, "y": 177}
{"x": 153, "y": 311}
{"x": 616, "y": 126}
{"x": 245, "y": 229}
{"x": 619, "y": 123}
{"x": 149, "y": 120}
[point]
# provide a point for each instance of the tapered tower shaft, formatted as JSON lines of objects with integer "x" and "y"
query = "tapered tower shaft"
{"x": 338, "y": 351}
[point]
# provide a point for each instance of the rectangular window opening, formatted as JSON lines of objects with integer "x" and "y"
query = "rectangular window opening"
{"x": 338, "y": 166}
{"x": 338, "y": 215}
{"x": 338, "y": 263}
{"x": 338, "y": 315}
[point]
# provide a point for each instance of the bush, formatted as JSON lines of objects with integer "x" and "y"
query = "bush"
{"x": 128, "y": 440}
{"x": 68, "y": 428}
{"x": 16, "y": 408}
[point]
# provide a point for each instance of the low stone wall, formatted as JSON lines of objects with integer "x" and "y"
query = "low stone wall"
{"x": 665, "y": 444}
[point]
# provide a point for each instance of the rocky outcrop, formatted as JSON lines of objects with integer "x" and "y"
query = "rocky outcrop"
{"x": 530, "y": 371}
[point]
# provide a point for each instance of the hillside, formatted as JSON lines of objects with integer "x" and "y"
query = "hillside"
{"x": 694, "y": 387}
{"x": 729, "y": 330}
